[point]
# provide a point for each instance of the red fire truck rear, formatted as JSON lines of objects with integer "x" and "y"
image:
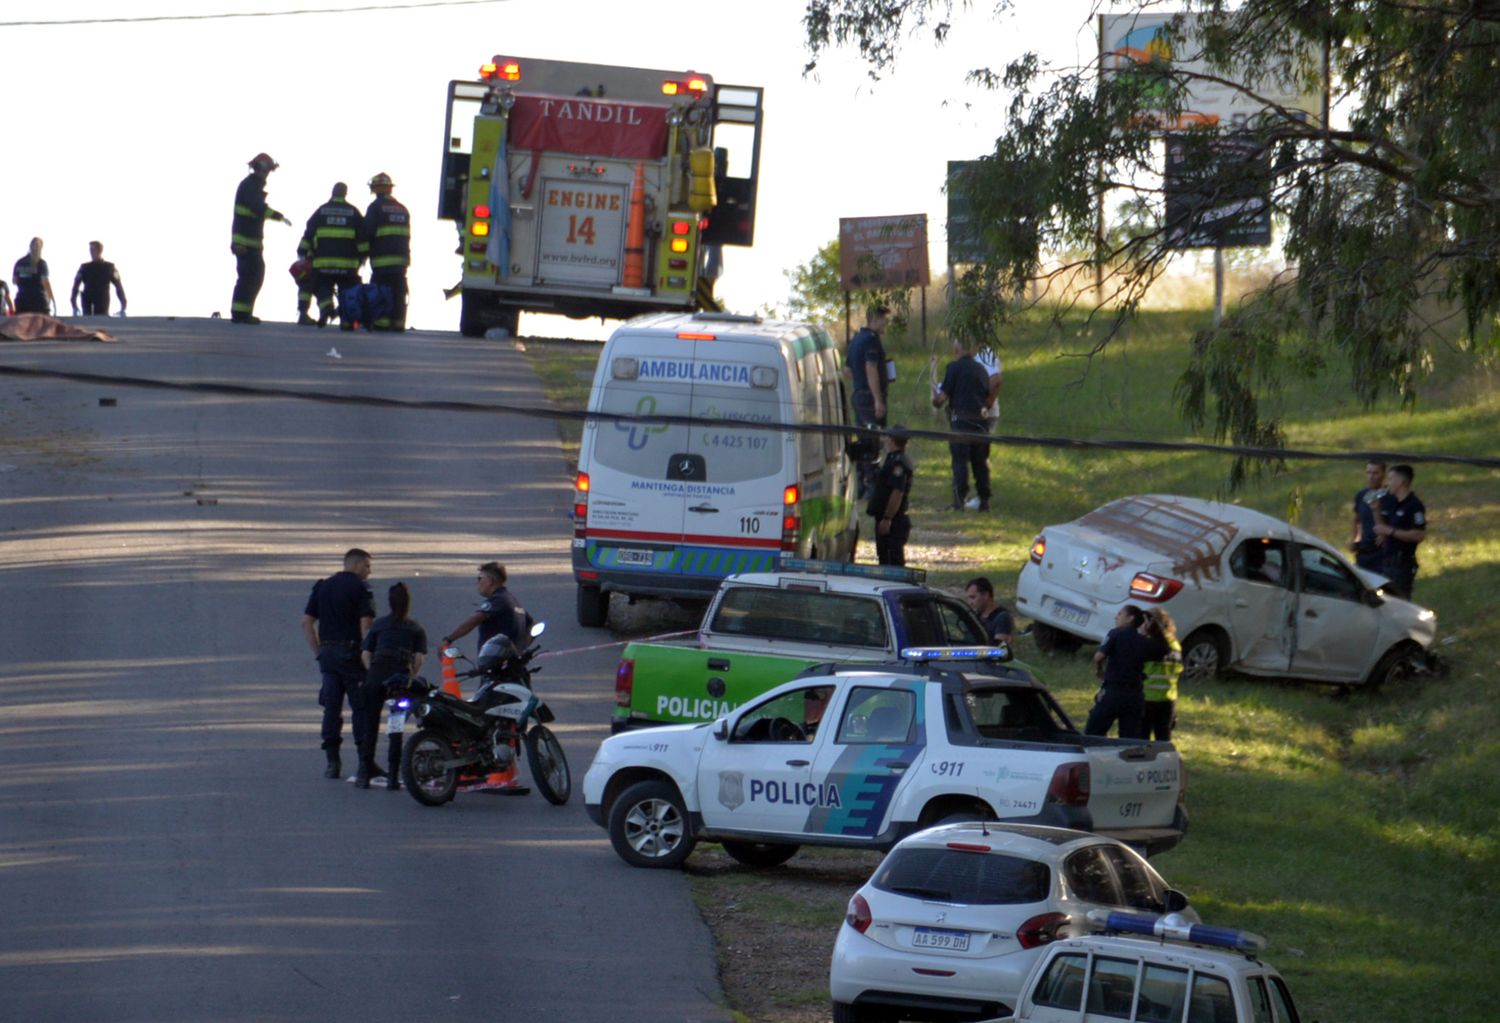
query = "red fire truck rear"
{"x": 591, "y": 190}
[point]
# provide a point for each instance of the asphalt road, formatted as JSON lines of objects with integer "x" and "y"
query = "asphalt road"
{"x": 169, "y": 849}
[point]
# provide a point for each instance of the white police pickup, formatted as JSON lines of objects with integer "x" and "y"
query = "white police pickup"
{"x": 1177, "y": 971}
{"x": 861, "y": 755}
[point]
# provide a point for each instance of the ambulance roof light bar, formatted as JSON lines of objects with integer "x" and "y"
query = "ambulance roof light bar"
{"x": 888, "y": 573}
{"x": 1176, "y": 928}
{"x": 498, "y": 68}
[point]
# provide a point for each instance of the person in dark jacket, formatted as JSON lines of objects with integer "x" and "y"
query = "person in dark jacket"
{"x": 339, "y": 612}
{"x": 1121, "y": 664}
{"x": 499, "y": 612}
{"x": 395, "y": 643}
{"x": 334, "y": 241}
{"x": 33, "y": 286}
{"x": 247, "y": 238}
{"x": 965, "y": 390}
{"x": 891, "y": 498}
{"x": 95, "y": 278}
{"x": 388, "y": 240}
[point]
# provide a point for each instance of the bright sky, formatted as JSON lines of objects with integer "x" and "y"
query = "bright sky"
{"x": 138, "y": 133}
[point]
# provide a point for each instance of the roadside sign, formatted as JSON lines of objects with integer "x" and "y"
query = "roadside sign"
{"x": 883, "y": 252}
{"x": 964, "y": 245}
{"x": 1218, "y": 192}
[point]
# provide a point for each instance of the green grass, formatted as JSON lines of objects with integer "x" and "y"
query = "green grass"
{"x": 1360, "y": 833}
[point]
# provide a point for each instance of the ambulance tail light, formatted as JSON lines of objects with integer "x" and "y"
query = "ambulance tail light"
{"x": 1154, "y": 588}
{"x": 1070, "y": 784}
{"x": 624, "y": 682}
{"x": 858, "y": 914}
{"x": 1041, "y": 929}
{"x": 1038, "y": 549}
{"x": 580, "y": 504}
{"x": 791, "y": 517}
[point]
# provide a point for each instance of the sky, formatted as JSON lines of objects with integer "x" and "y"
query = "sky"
{"x": 136, "y": 134}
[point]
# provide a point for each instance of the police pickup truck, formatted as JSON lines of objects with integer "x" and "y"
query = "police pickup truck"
{"x": 764, "y": 628}
{"x": 1174, "y": 971}
{"x": 861, "y": 756}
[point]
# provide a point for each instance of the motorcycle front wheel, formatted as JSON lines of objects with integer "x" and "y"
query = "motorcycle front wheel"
{"x": 549, "y": 765}
{"x": 429, "y": 783}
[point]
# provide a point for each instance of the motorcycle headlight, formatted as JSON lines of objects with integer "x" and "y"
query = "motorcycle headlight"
{"x": 422, "y": 709}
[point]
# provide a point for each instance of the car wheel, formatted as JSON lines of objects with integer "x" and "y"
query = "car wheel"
{"x": 593, "y": 607}
{"x": 1205, "y": 655}
{"x": 1395, "y": 668}
{"x": 761, "y": 854}
{"x": 1051, "y": 640}
{"x": 648, "y": 826}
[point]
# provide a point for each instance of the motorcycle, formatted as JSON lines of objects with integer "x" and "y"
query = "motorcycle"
{"x": 461, "y": 742}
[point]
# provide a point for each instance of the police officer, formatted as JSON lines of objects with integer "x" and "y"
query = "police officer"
{"x": 394, "y": 643}
{"x": 1367, "y": 504}
{"x": 339, "y": 612}
{"x": 867, "y": 366}
{"x": 247, "y": 236}
{"x": 499, "y": 611}
{"x": 1121, "y": 665}
{"x": 1403, "y": 528}
{"x": 334, "y": 241}
{"x": 890, "y": 496}
{"x": 388, "y": 239}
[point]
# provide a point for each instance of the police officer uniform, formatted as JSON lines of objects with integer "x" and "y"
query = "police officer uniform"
{"x": 895, "y": 474}
{"x": 1121, "y": 695}
{"x": 388, "y": 239}
{"x": 334, "y": 241}
{"x": 967, "y": 386}
{"x": 867, "y": 349}
{"x": 247, "y": 238}
{"x": 503, "y": 614}
{"x": 1399, "y": 561}
{"x": 338, "y": 603}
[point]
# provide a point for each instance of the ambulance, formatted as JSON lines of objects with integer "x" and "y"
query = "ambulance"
{"x": 683, "y": 475}
{"x": 592, "y": 190}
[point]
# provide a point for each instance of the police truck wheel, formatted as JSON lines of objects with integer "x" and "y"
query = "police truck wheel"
{"x": 1205, "y": 655}
{"x": 648, "y": 826}
{"x": 549, "y": 765}
{"x": 421, "y": 758}
{"x": 760, "y": 854}
{"x": 593, "y": 607}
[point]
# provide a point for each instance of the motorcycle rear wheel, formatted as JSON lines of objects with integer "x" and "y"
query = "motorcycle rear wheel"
{"x": 428, "y": 784}
{"x": 549, "y": 765}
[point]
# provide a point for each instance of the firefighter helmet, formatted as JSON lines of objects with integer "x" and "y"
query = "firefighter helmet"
{"x": 381, "y": 181}
{"x": 262, "y": 161}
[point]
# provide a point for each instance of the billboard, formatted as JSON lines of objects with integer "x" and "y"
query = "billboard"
{"x": 1218, "y": 192}
{"x": 964, "y": 245}
{"x": 1128, "y": 40}
{"x": 883, "y": 252}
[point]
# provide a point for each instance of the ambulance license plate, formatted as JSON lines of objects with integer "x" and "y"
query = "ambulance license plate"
{"x": 932, "y": 937}
{"x": 632, "y": 556}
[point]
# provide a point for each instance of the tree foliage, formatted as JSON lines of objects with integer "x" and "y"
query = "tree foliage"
{"x": 1391, "y": 215}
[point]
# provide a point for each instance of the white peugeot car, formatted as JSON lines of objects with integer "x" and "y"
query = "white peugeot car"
{"x": 955, "y": 916}
{"x": 1246, "y": 591}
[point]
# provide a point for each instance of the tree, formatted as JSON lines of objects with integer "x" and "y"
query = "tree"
{"x": 818, "y": 292}
{"x": 1392, "y": 222}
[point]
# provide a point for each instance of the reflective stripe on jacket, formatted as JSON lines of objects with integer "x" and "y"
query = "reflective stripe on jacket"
{"x": 388, "y": 233}
{"x": 250, "y": 213}
{"x": 1162, "y": 676}
{"x": 333, "y": 238}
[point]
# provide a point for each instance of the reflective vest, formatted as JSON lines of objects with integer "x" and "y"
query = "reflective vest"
{"x": 333, "y": 238}
{"x": 388, "y": 234}
{"x": 250, "y": 213}
{"x": 1162, "y": 676}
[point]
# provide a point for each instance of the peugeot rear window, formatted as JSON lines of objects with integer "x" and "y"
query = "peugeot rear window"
{"x": 971, "y": 878}
{"x": 801, "y": 616}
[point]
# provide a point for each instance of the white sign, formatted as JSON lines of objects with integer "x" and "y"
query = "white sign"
{"x": 1133, "y": 39}
{"x": 582, "y": 232}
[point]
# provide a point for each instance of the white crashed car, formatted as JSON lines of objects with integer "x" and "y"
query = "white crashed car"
{"x": 1246, "y": 591}
{"x": 955, "y": 916}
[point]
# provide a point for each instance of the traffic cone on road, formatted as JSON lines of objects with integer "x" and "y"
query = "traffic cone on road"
{"x": 450, "y": 677}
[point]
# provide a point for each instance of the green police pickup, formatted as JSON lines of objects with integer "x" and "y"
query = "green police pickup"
{"x": 764, "y": 628}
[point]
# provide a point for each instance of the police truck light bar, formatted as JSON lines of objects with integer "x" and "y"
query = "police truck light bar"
{"x": 889, "y": 573}
{"x": 1174, "y": 928}
{"x": 955, "y": 653}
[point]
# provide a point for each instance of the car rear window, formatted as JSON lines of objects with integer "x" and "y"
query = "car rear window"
{"x": 972, "y": 878}
{"x": 800, "y": 616}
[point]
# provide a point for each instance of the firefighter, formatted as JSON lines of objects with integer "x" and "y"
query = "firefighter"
{"x": 247, "y": 236}
{"x": 334, "y": 241}
{"x": 388, "y": 237}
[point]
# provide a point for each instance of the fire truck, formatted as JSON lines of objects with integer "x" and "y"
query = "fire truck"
{"x": 592, "y": 190}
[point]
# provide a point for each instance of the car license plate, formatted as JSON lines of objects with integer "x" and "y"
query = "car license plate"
{"x": 1069, "y": 613}
{"x": 631, "y": 556}
{"x": 932, "y": 937}
{"x": 396, "y": 723}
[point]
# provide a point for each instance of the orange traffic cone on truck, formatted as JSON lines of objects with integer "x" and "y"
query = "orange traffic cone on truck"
{"x": 635, "y": 231}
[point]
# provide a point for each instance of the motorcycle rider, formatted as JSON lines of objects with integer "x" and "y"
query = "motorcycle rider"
{"x": 395, "y": 643}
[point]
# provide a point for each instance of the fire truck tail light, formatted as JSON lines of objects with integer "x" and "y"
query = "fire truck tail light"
{"x": 671, "y": 88}
{"x": 679, "y": 245}
{"x": 504, "y": 70}
{"x": 697, "y": 86}
{"x": 481, "y": 228}
{"x": 682, "y": 227}
{"x": 481, "y": 212}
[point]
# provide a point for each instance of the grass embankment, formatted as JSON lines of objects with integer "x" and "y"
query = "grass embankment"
{"x": 1359, "y": 833}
